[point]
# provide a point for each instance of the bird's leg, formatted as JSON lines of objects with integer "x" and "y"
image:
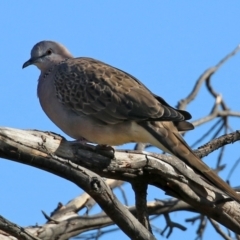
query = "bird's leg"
{"x": 81, "y": 140}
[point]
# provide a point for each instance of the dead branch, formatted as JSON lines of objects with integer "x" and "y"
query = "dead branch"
{"x": 14, "y": 230}
{"x": 71, "y": 161}
{"x": 203, "y": 78}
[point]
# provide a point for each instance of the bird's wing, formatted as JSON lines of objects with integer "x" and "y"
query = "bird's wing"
{"x": 90, "y": 87}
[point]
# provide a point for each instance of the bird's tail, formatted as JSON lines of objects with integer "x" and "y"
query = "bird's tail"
{"x": 171, "y": 141}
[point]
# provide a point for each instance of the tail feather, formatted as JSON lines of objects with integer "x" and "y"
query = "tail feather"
{"x": 167, "y": 135}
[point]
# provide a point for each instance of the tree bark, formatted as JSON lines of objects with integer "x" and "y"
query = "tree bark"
{"x": 81, "y": 164}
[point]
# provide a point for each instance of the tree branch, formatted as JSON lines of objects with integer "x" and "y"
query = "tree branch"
{"x": 16, "y": 231}
{"x": 53, "y": 153}
{"x": 140, "y": 189}
{"x": 205, "y": 77}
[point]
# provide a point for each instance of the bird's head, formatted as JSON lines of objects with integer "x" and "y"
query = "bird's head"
{"x": 46, "y": 53}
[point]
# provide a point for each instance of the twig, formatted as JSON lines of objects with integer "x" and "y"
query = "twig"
{"x": 123, "y": 195}
{"x": 206, "y": 134}
{"x": 218, "y": 229}
{"x": 206, "y": 75}
{"x": 217, "y": 143}
{"x": 170, "y": 224}
{"x": 233, "y": 168}
{"x": 202, "y": 224}
{"x": 201, "y": 227}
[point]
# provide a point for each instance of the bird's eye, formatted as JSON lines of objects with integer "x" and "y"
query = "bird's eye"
{"x": 49, "y": 51}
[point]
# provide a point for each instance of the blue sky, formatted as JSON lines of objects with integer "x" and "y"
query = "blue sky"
{"x": 165, "y": 44}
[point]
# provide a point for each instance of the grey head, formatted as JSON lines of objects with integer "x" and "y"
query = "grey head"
{"x": 46, "y": 53}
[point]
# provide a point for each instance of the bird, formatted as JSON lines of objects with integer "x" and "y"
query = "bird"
{"x": 95, "y": 102}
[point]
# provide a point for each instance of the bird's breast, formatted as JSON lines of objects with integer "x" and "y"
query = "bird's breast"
{"x": 86, "y": 126}
{"x": 78, "y": 125}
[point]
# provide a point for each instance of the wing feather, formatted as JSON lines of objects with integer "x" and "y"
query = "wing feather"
{"x": 91, "y": 87}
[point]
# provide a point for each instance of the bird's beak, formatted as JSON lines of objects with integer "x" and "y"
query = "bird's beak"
{"x": 30, "y": 62}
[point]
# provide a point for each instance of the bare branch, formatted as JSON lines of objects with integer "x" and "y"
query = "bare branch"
{"x": 202, "y": 226}
{"x": 171, "y": 225}
{"x": 16, "y": 231}
{"x": 214, "y": 115}
{"x": 140, "y": 189}
{"x": 218, "y": 229}
{"x": 204, "y": 77}
{"x": 54, "y": 154}
{"x": 218, "y": 143}
{"x": 233, "y": 168}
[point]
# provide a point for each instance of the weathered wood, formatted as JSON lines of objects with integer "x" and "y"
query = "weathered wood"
{"x": 72, "y": 160}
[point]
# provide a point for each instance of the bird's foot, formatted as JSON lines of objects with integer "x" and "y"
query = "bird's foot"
{"x": 82, "y": 140}
{"x": 106, "y": 150}
{"x": 105, "y": 147}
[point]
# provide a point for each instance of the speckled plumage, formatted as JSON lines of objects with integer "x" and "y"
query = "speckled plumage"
{"x": 89, "y": 99}
{"x": 110, "y": 95}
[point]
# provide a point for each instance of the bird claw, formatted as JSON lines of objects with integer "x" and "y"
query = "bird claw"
{"x": 102, "y": 147}
{"x": 82, "y": 140}
{"x": 105, "y": 150}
